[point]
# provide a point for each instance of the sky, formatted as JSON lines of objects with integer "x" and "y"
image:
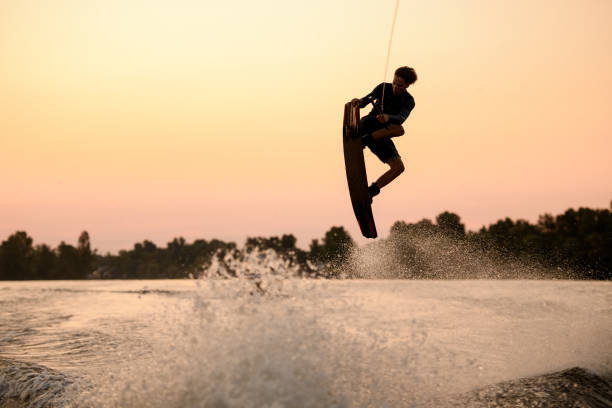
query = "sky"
{"x": 154, "y": 119}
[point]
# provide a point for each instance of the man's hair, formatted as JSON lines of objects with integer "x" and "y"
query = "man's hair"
{"x": 407, "y": 74}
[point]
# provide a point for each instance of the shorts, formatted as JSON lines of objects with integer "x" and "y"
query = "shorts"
{"x": 385, "y": 149}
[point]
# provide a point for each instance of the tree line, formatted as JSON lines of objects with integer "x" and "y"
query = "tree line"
{"x": 20, "y": 259}
{"x": 576, "y": 244}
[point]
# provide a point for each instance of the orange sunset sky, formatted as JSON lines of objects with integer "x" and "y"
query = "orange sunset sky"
{"x": 153, "y": 119}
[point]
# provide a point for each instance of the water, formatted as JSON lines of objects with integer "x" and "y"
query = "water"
{"x": 289, "y": 342}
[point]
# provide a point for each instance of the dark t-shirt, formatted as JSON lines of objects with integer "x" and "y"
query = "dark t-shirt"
{"x": 398, "y": 107}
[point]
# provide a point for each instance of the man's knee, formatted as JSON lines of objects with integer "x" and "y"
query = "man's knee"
{"x": 397, "y": 130}
{"x": 397, "y": 165}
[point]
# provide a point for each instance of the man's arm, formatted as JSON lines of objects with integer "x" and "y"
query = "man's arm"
{"x": 403, "y": 114}
{"x": 375, "y": 94}
{"x": 363, "y": 102}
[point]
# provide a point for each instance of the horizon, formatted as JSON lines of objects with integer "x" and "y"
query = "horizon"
{"x": 156, "y": 120}
{"x": 359, "y": 241}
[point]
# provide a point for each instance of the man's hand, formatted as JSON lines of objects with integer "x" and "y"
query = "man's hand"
{"x": 356, "y": 102}
{"x": 384, "y": 118}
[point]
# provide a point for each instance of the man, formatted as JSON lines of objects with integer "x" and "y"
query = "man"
{"x": 385, "y": 121}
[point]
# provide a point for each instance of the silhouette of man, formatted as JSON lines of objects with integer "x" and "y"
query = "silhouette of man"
{"x": 385, "y": 121}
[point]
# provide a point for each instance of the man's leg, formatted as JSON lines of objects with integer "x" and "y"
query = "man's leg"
{"x": 396, "y": 167}
{"x": 384, "y": 133}
{"x": 381, "y": 134}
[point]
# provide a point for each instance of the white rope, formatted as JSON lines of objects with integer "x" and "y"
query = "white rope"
{"x": 382, "y": 101}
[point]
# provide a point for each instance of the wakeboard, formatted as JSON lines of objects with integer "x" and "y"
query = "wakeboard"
{"x": 356, "y": 172}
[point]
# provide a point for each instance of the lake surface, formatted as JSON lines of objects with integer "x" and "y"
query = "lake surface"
{"x": 293, "y": 342}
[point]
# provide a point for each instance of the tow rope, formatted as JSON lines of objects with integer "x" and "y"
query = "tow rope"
{"x": 382, "y": 101}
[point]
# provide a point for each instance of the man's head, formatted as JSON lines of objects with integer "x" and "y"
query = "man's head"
{"x": 404, "y": 77}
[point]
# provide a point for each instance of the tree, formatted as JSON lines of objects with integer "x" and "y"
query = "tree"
{"x": 337, "y": 246}
{"x": 450, "y": 224}
{"x": 44, "y": 263}
{"x": 16, "y": 255}
{"x": 288, "y": 242}
{"x": 315, "y": 253}
{"x": 282, "y": 245}
{"x": 86, "y": 256}
{"x": 69, "y": 262}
